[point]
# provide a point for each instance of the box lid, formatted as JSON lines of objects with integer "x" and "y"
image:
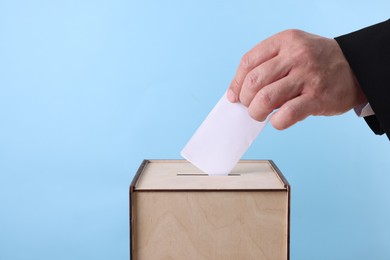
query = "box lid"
{"x": 182, "y": 175}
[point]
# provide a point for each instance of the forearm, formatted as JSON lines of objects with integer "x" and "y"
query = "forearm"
{"x": 368, "y": 53}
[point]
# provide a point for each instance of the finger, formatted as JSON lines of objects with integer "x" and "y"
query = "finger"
{"x": 294, "y": 111}
{"x": 261, "y": 76}
{"x": 273, "y": 96}
{"x": 262, "y": 52}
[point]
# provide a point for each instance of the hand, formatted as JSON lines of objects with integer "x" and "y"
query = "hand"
{"x": 300, "y": 73}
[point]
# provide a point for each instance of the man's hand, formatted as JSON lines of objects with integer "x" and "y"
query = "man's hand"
{"x": 300, "y": 73}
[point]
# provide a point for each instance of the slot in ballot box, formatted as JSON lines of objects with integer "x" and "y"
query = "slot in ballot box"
{"x": 178, "y": 212}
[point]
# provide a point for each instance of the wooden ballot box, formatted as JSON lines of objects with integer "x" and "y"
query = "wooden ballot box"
{"x": 177, "y": 212}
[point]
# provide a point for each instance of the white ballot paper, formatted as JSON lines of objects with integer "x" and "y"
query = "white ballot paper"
{"x": 222, "y": 138}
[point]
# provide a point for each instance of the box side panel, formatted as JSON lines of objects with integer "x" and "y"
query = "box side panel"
{"x": 131, "y": 202}
{"x": 288, "y": 188}
{"x": 288, "y": 219}
{"x": 211, "y": 225}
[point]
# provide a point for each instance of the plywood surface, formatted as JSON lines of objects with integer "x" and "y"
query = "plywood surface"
{"x": 210, "y": 225}
{"x": 182, "y": 175}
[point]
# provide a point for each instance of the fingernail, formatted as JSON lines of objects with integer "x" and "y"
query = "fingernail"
{"x": 232, "y": 97}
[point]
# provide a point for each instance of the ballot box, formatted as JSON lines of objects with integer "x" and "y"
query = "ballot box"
{"x": 178, "y": 212}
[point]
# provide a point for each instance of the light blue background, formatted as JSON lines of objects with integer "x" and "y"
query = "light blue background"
{"x": 88, "y": 89}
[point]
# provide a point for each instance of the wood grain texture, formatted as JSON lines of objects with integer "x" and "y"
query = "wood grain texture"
{"x": 210, "y": 225}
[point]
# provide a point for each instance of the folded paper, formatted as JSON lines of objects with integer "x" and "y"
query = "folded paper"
{"x": 222, "y": 138}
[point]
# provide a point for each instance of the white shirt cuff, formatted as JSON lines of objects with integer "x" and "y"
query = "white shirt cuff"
{"x": 364, "y": 110}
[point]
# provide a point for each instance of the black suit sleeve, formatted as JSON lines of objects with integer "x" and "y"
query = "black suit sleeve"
{"x": 368, "y": 54}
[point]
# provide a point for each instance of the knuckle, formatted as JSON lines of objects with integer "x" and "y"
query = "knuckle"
{"x": 301, "y": 50}
{"x": 235, "y": 85}
{"x": 245, "y": 62}
{"x": 292, "y": 34}
{"x": 302, "y": 54}
{"x": 253, "y": 80}
{"x": 265, "y": 99}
